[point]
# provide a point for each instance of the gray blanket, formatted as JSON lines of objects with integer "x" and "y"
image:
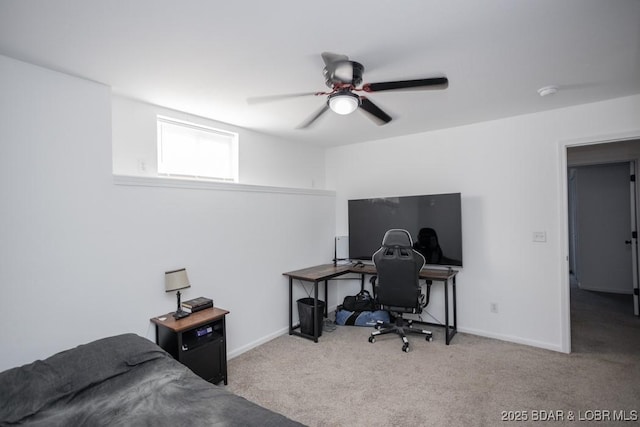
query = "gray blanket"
{"x": 124, "y": 380}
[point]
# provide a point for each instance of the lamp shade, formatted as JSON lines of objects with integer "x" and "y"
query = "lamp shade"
{"x": 175, "y": 280}
{"x": 344, "y": 102}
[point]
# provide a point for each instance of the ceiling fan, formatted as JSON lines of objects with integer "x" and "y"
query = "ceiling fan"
{"x": 343, "y": 76}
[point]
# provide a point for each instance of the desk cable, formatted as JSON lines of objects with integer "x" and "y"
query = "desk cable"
{"x": 438, "y": 321}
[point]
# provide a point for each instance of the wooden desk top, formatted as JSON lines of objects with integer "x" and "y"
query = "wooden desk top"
{"x": 319, "y": 272}
{"x": 328, "y": 271}
{"x": 194, "y": 319}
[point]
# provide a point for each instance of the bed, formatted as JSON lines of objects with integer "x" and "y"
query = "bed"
{"x": 125, "y": 380}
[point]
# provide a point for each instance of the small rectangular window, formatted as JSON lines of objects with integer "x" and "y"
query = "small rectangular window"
{"x": 192, "y": 150}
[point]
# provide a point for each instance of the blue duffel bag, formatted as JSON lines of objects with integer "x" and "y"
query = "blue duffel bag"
{"x": 361, "y": 318}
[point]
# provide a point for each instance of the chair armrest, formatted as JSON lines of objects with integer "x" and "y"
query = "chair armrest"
{"x": 427, "y": 294}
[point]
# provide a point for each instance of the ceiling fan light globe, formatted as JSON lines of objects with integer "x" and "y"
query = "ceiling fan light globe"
{"x": 344, "y": 103}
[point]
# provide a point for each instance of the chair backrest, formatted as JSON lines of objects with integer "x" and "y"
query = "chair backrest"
{"x": 398, "y": 269}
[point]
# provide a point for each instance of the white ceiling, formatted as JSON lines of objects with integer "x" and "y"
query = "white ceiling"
{"x": 207, "y": 57}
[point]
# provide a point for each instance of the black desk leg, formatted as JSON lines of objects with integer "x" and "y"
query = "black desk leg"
{"x": 455, "y": 310}
{"x": 326, "y": 298}
{"x": 453, "y": 329}
{"x": 315, "y": 310}
{"x": 446, "y": 311}
{"x": 290, "y": 305}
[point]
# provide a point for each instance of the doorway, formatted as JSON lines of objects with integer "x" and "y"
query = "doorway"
{"x": 602, "y": 216}
{"x": 601, "y": 248}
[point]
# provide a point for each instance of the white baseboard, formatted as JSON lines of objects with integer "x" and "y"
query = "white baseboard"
{"x": 625, "y": 291}
{"x": 478, "y": 332}
{"x": 256, "y": 343}
{"x": 267, "y": 338}
{"x": 513, "y": 339}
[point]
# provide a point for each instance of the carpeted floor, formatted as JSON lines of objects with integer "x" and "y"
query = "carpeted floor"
{"x": 346, "y": 381}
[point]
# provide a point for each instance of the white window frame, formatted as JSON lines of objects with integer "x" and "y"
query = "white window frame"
{"x": 197, "y": 151}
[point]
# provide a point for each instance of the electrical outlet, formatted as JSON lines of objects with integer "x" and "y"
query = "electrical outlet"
{"x": 540, "y": 236}
{"x": 493, "y": 307}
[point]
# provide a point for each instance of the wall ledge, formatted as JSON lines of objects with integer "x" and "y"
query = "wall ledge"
{"x": 138, "y": 181}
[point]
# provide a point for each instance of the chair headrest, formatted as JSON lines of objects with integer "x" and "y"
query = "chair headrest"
{"x": 397, "y": 237}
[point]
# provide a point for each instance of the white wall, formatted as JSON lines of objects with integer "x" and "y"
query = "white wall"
{"x": 510, "y": 173}
{"x": 264, "y": 160}
{"x": 83, "y": 258}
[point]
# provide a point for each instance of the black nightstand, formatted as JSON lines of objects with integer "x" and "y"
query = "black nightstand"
{"x": 197, "y": 341}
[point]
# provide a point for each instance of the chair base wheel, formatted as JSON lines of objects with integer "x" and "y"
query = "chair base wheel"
{"x": 372, "y": 339}
{"x": 405, "y": 348}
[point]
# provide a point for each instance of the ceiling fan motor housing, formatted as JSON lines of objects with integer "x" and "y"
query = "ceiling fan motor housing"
{"x": 343, "y": 72}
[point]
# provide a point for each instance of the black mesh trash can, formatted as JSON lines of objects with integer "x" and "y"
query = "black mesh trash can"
{"x": 305, "y": 310}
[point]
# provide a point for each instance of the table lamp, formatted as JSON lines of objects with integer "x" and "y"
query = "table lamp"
{"x": 174, "y": 281}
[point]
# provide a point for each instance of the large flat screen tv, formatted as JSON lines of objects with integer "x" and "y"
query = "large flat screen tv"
{"x": 434, "y": 222}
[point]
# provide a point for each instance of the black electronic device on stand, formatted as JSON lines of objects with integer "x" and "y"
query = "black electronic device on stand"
{"x": 340, "y": 249}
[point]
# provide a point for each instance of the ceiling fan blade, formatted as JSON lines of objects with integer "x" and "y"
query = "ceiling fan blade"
{"x": 313, "y": 117}
{"x": 270, "y": 98}
{"x": 330, "y": 58}
{"x": 375, "y": 113}
{"x": 418, "y": 84}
